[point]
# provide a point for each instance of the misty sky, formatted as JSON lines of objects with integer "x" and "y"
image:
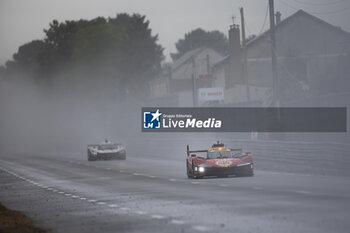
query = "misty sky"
{"x": 24, "y": 20}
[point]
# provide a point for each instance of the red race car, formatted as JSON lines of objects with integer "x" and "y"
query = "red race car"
{"x": 219, "y": 161}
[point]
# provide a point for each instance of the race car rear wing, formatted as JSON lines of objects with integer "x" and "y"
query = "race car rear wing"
{"x": 119, "y": 144}
{"x": 239, "y": 149}
{"x": 201, "y": 151}
{"x": 96, "y": 145}
{"x": 194, "y": 151}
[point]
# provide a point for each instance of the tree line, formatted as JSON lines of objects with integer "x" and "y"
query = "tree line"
{"x": 122, "y": 48}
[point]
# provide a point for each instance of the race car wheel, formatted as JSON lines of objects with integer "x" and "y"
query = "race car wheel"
{"x": 90, "y": 157}
{"x": 189, "y": 173}
{"x": 246, "y": 171}
{"x": 122, "y": 155}
{"x": 192, "y": 173}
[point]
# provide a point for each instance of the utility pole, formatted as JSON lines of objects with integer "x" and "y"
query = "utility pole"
{"x": 194, "y": 90}
{"x": 275, "y": 84}
{"x": 208, "y": 63}
{"x": 193, "y": 82}
{"x": 244, "y": 50}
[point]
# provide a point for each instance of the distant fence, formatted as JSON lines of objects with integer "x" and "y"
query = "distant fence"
{"x": 323, "y": 158}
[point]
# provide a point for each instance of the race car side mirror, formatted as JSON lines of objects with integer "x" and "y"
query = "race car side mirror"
{"x": 193, "y": 155}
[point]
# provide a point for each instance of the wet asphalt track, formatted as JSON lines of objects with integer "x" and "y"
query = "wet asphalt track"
{"x": 149, "y": 192}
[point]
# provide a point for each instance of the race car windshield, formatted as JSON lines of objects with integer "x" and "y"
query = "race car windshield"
{"x": 219, "y": 154}
{"x": 107, "y": 147}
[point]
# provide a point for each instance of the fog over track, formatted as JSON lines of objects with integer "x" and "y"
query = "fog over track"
{"x": 297, "y": 187}
{"x": 82, "y": 84}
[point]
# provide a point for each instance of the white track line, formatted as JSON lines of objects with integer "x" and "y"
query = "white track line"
{"x": 113, "y": 205}
{"x": 302, "y": 192}
{"x": 177, "y": 222}
{"x": 140, "y": 212}
{"x": 200, "y": 228}
{"x": 156, "y": 216}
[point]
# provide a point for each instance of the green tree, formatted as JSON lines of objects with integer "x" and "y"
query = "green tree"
{"x": 26, "y": 58}
{"x": 121, "y": 48}
{"x": 96, "y": 43}
{"x": 141, "y": 54}
{"x": 61, "y": 42}
{"x": 199, "y": 38}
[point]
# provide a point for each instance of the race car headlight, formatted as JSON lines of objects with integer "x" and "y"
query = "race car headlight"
{"x": 196, "y": 168}
{"x": 201, "y": 169}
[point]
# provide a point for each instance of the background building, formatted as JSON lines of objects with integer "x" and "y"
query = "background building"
{"x": 313, "y": 60}
{"x": 179, "y": 83}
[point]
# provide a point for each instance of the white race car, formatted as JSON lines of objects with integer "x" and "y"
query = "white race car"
{"x": 105, "y": 151}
